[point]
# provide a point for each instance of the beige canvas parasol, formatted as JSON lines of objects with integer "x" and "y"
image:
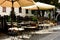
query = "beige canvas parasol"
{"x": 32, "y": 7}
{"x": 40, "y": 6}
{"x": 17, "y": 3}
{"x": 44, "y": 6}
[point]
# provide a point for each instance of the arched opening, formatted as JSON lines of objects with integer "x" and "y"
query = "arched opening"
{"x": 58, "y": 18}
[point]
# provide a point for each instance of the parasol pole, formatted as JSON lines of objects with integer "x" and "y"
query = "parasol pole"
{"x": 12, "y": 6}
{"x": 12, "y": 13}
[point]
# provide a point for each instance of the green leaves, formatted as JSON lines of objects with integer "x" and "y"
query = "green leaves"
{"x": 34, "y": 19}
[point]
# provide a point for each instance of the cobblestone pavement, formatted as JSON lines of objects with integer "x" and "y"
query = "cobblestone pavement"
{"x": 50, "y": 36}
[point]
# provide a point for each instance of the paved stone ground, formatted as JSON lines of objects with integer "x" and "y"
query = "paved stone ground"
{"x": 33, "y": 37}
{"x": 50, "y": 36}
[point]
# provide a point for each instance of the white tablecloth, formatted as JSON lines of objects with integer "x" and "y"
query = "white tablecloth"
{"x": 17, "y": 29}
{"x": 44, "y": 25}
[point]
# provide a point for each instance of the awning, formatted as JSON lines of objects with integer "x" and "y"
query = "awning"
{"x": 33, "y": 7}
{"x": 40, "y": 6}
{"x": 44, "y": 6}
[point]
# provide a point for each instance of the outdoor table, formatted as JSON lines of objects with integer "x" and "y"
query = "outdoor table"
{"x": 52, "y": 24}
{"x": 21, "y": 23}
{"x": 15, "y": 28}
{"x": 44, "y": 25}
{"x": 19, "y": 30}
{"x": 30, "y": 28}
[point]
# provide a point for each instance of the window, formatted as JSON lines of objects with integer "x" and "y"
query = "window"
{"x": 4, "y": 9}
{"x": 20, "y": 10}
{"x": 33, "y": 11}
{"x": 27, "y": 11}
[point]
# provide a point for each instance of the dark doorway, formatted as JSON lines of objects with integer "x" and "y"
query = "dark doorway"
{"x": 58, "y": 18}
